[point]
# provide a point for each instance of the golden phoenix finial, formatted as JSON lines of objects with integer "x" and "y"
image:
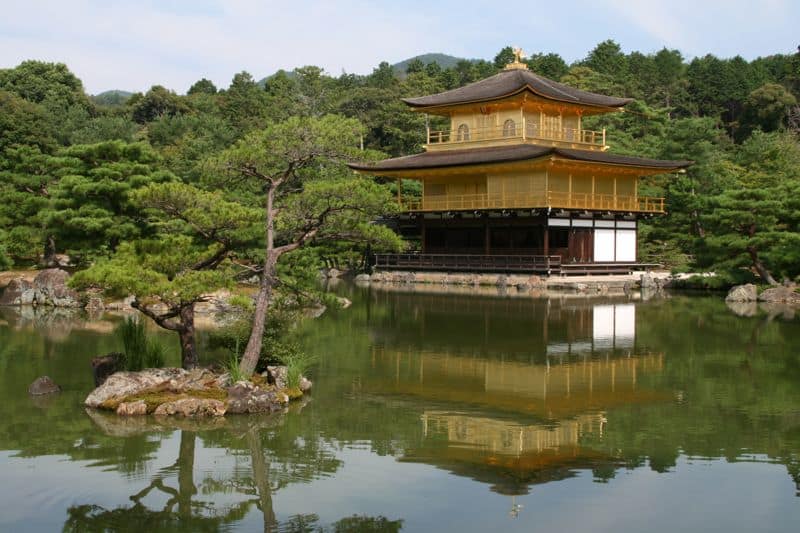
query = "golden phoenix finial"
{"x": 519, "y": 55}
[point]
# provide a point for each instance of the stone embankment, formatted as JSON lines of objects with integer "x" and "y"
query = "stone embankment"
{"x": 193, "y": 393}
{"x": 655, "y": 281}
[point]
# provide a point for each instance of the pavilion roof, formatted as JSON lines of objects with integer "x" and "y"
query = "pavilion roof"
{"x": 508, "y": 154}
{"x": 510, "y": 82}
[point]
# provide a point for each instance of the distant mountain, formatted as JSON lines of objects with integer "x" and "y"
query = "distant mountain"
{"x": 113, "y": 97}
{"x": 443, "y": 60}
{"x": 263, "y": 81}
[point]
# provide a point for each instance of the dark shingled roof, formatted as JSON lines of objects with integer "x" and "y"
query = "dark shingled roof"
{"x": 506, "y": 154}
{"x": 509, "y": 82}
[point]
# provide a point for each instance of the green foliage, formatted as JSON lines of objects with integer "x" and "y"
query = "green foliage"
{"x": 189, "y": 258}
{"x": 112, "y": 98}
{"x": 105, "y": 128}
{"x": 766, "y": 108}
{"x": 607, "y": 58}
{"x": 279, "y": 347}
{"x": 298, "y": 364}
{"x": 232, "y": 367}
{"x": 156, "y": 103}
{"x": 77, "y": 200}
{"x": 194, "y": 226}
{"x": 156, "y": 354}
{"x": 5, "y": 261}
{"x": 40, "y": 82}
{"x": 285, "y": 314}
{"x": 23, "y": 123}
{"x": 755, "y": 223}
{"x": 549, "y": 65}
{"x": 139, "y": 350}
{"x": 54, "y": 199}
{"x": 202, "y": 86}
{"x": 244, "y": 103}
{"x": 503, "y": 57}
{"x": 157, "y": 269}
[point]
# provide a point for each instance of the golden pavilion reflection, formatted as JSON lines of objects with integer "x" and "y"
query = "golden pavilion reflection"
{"x": 526, "y": 421}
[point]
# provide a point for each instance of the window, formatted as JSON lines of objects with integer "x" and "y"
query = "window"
{"x": 463, "y": 133}
{"x": 551, "y": 126}
{"x": 509, "y": 128}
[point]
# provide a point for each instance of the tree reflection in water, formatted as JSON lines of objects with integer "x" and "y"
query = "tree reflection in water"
{"x": 183, "y": 510}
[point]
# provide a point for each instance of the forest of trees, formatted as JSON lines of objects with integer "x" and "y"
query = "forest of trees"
{"x": 163, "y": 195}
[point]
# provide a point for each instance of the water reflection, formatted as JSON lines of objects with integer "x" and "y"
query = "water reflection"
{"x": 473, "y": 399}
{"x": 176, "y": 498}
{"x": 527, "y": 420}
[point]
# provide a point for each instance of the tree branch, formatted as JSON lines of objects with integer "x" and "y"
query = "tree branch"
{"x": 162, "y": 320}
{"x": 213, "y": 261}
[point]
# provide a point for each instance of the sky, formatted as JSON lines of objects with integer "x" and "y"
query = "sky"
{"x": 131, "y": 45}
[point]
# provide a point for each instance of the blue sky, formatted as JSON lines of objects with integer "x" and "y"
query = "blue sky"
{"x": 114, "y": 44}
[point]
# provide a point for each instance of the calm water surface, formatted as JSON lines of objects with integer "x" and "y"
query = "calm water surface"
{"x": 433, "y": 412}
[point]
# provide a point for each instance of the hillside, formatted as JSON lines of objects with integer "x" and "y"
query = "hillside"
{"x": 445, "y": 61}
{"x": 113, "y": 97}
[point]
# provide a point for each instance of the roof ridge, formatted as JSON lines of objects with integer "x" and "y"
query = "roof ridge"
{"x": 549, "y": 83}
{"x": 512, "y": 153}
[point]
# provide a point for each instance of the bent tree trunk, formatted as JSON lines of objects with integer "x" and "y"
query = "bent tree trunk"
{"x": 760, "y": 268}
{"x": 183, "y": 326}
{"x": 49, "y": 252}
{"x": 253, "y": 350}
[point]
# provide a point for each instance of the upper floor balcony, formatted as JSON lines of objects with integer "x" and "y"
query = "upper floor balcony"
{"x": 549, "y": 199}
{"x": 514, "y": 132}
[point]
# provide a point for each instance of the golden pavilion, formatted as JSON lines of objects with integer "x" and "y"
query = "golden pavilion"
{"x": 517, "y": 184}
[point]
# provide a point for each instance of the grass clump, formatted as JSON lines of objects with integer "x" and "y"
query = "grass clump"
{"x": 139, "y": 351}
{"x": 297, "y": 364}
{"x": 233, "y": 369}
{"x": 232, "y": 365}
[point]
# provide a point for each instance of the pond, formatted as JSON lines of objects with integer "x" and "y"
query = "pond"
{"x": 433, "y": 412}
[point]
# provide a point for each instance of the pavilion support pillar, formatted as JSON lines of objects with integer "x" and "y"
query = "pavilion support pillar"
{"x": 546, "y": 239}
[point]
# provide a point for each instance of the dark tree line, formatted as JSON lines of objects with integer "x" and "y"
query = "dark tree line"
{"x": 69, "y": 160}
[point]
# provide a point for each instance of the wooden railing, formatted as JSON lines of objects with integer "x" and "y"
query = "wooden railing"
{"x": 519, "y": 131}
{"x": 546, "y": 264}
{"x": 553, "y": 199}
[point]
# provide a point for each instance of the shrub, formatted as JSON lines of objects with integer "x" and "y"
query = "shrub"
{"x": 5, "y": 261}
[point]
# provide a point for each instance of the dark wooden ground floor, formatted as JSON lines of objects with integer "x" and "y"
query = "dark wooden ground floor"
{"x": 571, "y": 238}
